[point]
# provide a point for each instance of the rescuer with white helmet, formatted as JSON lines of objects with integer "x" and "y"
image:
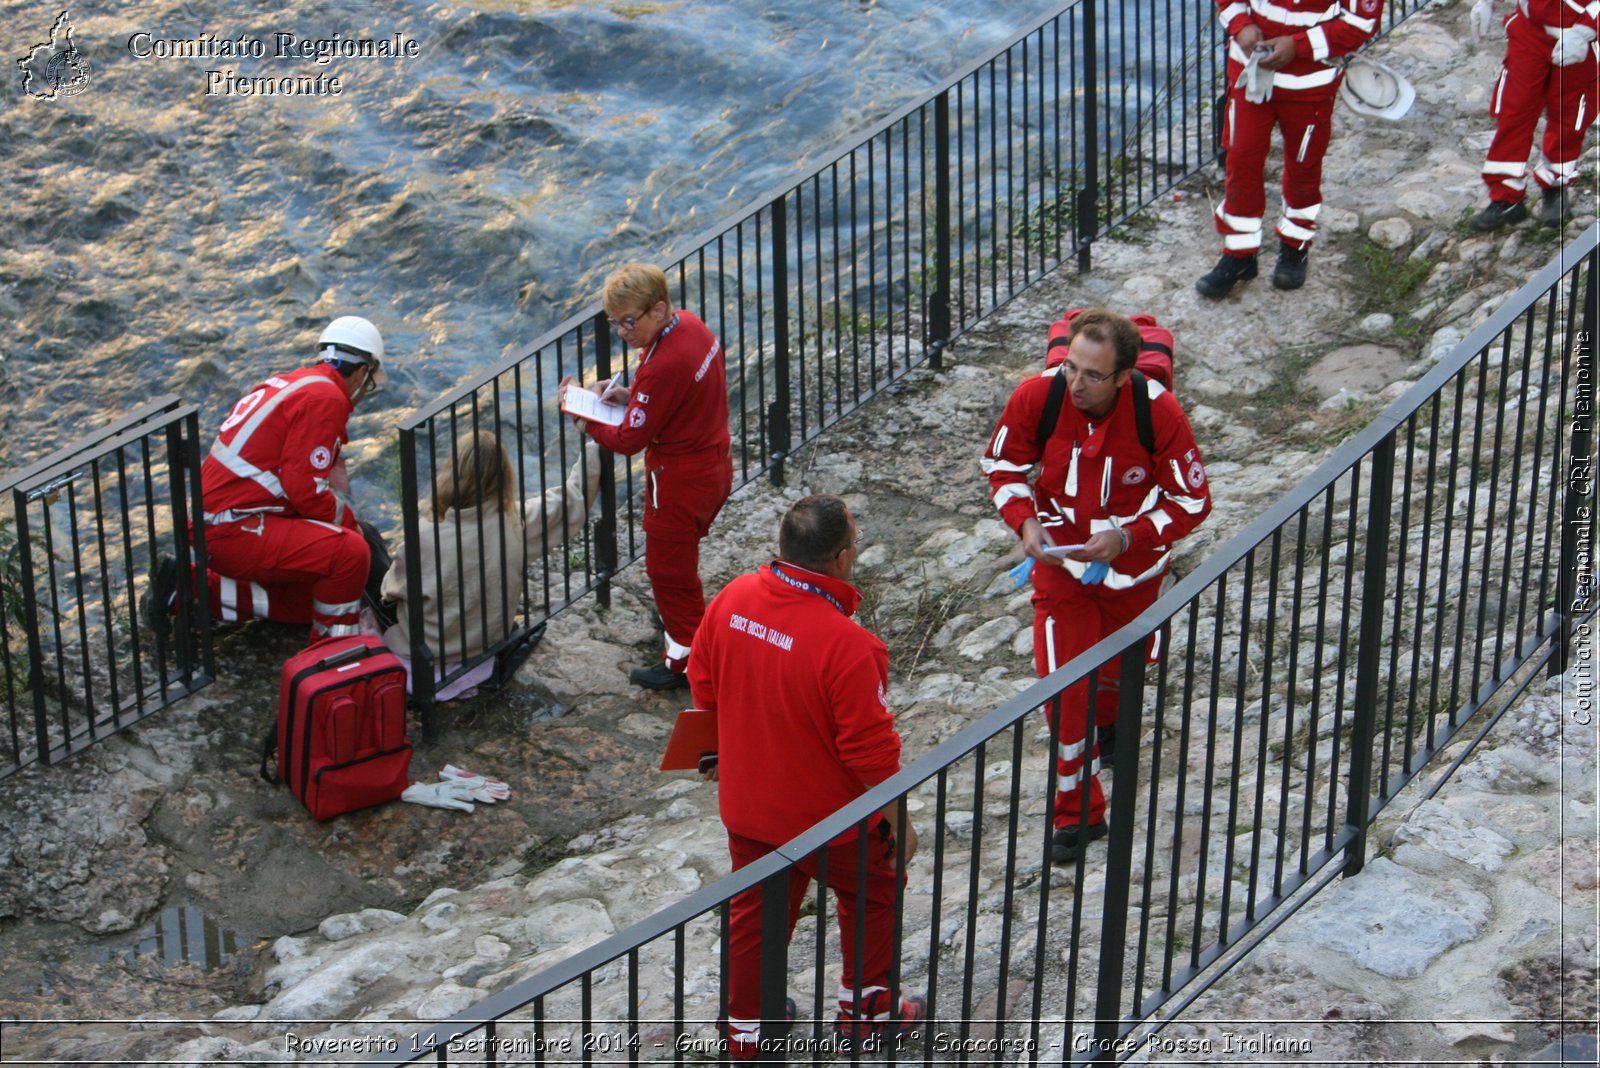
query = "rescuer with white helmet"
{"x": 281, "y": 539}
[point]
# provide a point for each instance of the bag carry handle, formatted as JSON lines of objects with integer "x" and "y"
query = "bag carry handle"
{"x": 355, "y": 652}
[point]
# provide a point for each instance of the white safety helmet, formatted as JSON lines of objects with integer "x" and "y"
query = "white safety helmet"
{"x": 1372, "y": 89}
{"x": 351, "y": 337}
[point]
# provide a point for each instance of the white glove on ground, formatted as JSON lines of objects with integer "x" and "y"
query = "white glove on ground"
{"x": 456, "y": 795}
{"x": 484, "y": 788}
{"x": 1482, "y": 19}
{"x": 1255, "y": 80}
{"x": 1572, "y": 46}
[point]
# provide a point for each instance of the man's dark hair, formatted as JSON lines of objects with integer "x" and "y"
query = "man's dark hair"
{"x": 814, "y": 531}
{"x": 1104, "y": 325}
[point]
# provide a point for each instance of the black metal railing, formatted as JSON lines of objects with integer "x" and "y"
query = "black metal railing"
{"x": 1319, "y": 661}
{"x": 84, "y": 531}
{"x": 827, "y": 291}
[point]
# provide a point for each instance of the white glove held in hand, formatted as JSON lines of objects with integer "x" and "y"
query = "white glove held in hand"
{"x": 1256, "y": 80}
{"x": 456, "y": 795}
{"x": 1482, "y": 19}
{"x": 484, "y": 788}
{"x": 1572, "y": 46}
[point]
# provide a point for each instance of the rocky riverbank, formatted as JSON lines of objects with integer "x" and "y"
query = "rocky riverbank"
{"x": 1476, "y": 911}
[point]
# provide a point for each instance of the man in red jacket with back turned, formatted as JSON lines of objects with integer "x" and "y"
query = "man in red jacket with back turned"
{"x": 803, "y": 728}
{"x": 1284, "y": 52}
{"x": 677, "y": 412}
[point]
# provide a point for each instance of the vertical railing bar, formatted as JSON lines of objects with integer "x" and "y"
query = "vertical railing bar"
{"x": 1424, "y": 557}
{"x": 1274, "y": 556}
{"x": 130, "y": 580}
{"x": 1578, "y": 437}
{"x": 855, "y": 280}
{"x": 1485, "y": 567}
{"x": 1445, "y": 545}
{"x": 872, "y": 266}
{"x": 1152, "y": 804}
{"x": 994, "y": 184}
{"x": 1089, "y": 196}
{"x": 1536, "y": 470}
{"x": 1119, "y": 849}
{"x": 940, "y": 312}
{"x": 936, "y": 901}
{"x": 1470, "y": 527}
{"x": 780, "y": 425}
{"x": 82, "y": 611}
{"x": 53, "y": 586}
{"x": 1240, "y": 688}
{"x": 1180, "y": 794}
{"x": 679, "y": 961}
{"x": 1010, "y": 227}
{"x": 1326, "y": 545}
{"x": 975, "y": 851}
{"x": 1055, "y": 122}
{"x": 1375, "y": 594}
{"x": 1197, "y": 941}
{"x": 30, "y": 625}
{"x": 1291, "y": 687}
{"x": 107, "y": 597}
{"x": 1013, "y": 835}
{"x": 193, "y": 616}
{"x": 1398, "y": 585}
{"x": 1514, "y": 505}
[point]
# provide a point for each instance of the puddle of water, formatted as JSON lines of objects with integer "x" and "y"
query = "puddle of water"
{"x": 524, "y": 708}
{"x": 180, "y": 935}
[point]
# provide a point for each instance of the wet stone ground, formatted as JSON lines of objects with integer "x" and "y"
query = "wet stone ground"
{"x": 193, "y": 831}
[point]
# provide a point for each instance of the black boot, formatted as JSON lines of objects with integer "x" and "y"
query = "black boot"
{"x": 1499, "y": 213}
{"x": 1229, "y": 271}
{"x": 1553, "y": 207}
{"x": 1290, "y": 273}
{"x": 658, "y": 676}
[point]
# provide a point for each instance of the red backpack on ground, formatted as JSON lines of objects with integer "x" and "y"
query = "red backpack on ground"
{"x": 1155, "y": 361}
{"x": 341, "y": 734}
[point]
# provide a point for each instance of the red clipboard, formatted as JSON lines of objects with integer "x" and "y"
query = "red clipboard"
{"x": 694, "y": 735}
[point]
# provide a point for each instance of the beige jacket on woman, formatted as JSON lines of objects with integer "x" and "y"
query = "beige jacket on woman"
{"x": 478, "y": 558}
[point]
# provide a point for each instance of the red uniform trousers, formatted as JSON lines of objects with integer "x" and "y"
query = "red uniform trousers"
{"x": 683, "y": 494}
{"x": 289, "y": 571}
{"x": 1068, "y": 618}
{"x": 1531, "y": 84}
{"x": 876, "y": 893}
{"x": 1247, "y": 132}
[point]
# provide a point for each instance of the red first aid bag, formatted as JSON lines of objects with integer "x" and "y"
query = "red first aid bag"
{"x": 341, "y": 735}
{"x": 1155, "y": 345}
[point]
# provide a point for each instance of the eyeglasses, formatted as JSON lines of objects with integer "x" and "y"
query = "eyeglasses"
{"x": 627, "y": 322}
{"x": 1094, "y": 378}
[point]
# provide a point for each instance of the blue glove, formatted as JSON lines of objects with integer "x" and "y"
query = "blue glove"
{"x": 1095, "y": 573}
{"x": 1021, "y": 572}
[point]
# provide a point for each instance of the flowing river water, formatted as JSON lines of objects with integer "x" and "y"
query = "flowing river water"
{"x": 169, "y": 229}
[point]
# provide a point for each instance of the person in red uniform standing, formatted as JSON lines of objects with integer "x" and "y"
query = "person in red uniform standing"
{"x": 281, "y": 540}
{"x": 1124, "y": 507}
{"x": 1281, "y": 72}
{"x": 803, "y": 728}
{"x": 677, "y": 412}
{"x": 1552, "y": 66}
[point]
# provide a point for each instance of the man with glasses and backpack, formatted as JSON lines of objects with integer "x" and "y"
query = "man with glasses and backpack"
{"x": 1119, "y": 481}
